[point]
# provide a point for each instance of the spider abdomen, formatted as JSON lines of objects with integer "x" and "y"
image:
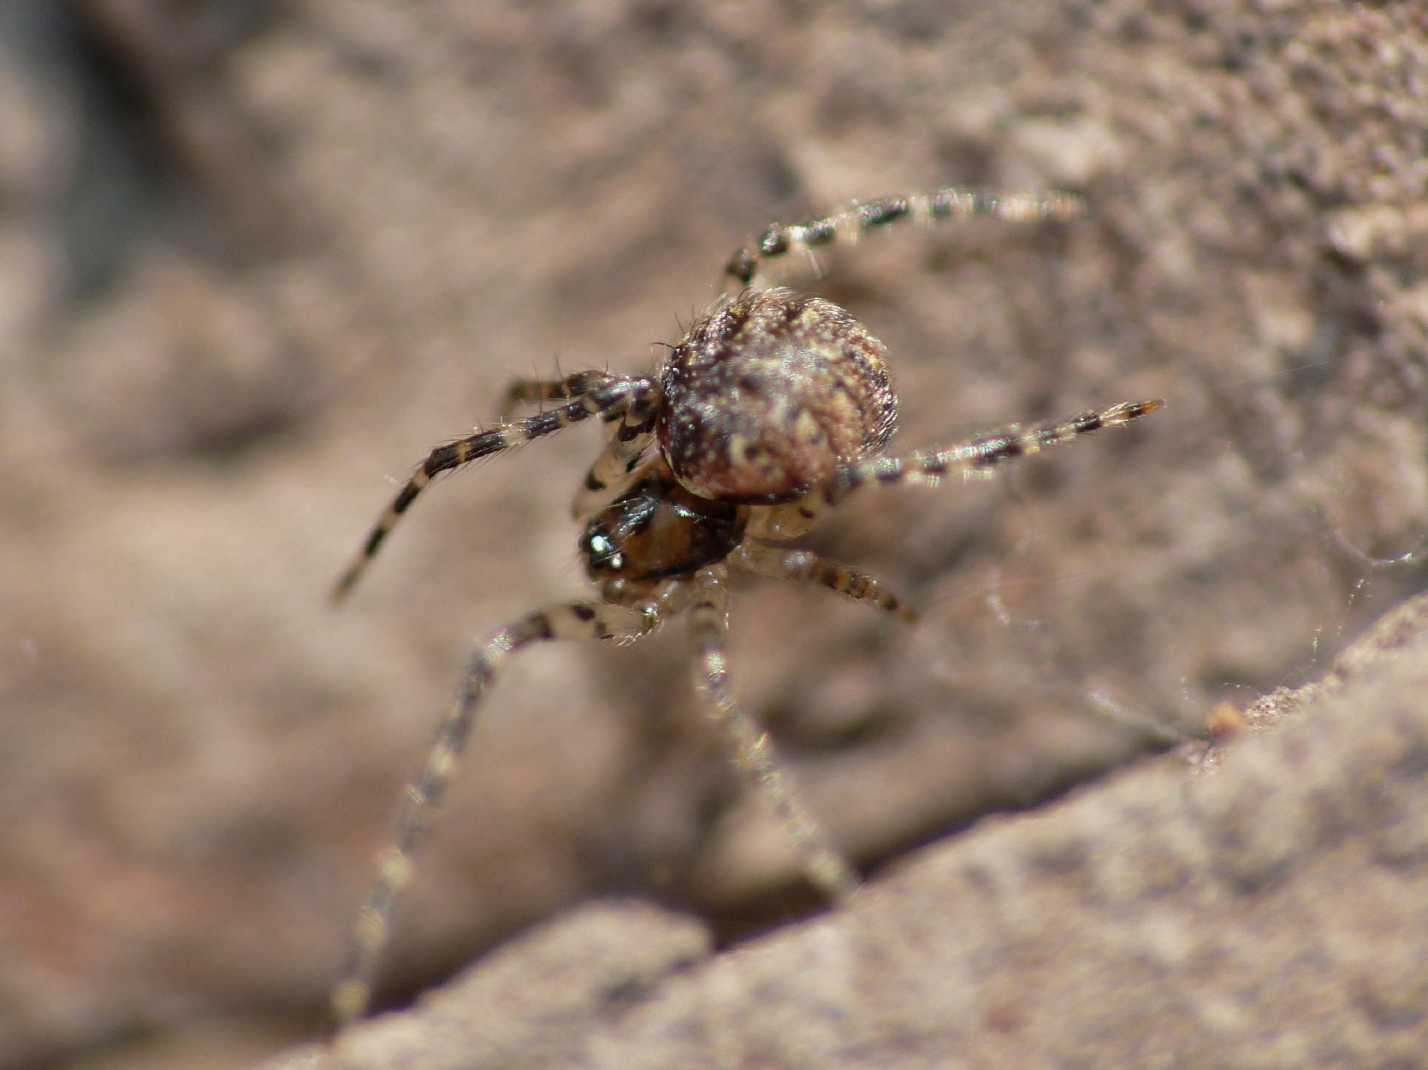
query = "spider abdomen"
{"x": 771, "y": 392}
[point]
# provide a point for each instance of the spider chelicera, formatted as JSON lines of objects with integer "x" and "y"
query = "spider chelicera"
{"x": 773, "y": 408}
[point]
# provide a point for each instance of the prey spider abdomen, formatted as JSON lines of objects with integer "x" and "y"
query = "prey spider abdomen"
{"x": 773, "y": 408}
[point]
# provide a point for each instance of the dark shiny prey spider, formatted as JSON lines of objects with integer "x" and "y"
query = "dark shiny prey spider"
{"x": 772, "y": 409}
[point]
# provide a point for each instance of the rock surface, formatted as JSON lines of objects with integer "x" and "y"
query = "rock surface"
{"x": 1270, "y": 914}
{"x": 257, "y": 258}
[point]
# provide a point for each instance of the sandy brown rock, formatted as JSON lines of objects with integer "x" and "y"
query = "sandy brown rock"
{"x": 256, "y": 259}
{"x": 1270, "y": 915}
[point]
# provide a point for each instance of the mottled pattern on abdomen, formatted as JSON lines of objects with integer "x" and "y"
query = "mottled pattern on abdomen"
{"x": 770, "y": 393}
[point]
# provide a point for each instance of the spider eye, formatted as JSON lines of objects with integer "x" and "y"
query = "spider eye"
{"x": 601, "y": 550}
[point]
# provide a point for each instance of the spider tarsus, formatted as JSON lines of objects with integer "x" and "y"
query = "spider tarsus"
{"x": 343, "y": 587}
{"x": 1127, "y": 411}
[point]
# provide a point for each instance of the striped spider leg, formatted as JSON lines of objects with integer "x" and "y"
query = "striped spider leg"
{"x": 848, "y": 224}
{"x": 593, "y": 393}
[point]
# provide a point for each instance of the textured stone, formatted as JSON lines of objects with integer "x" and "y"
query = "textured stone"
{"x": 263, "y": 256}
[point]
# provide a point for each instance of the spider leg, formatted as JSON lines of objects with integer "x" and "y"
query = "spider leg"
{"x": 753, "y": 748}
{"x": 969, "y": 459}
{"x": 846, "y": 225}
{"x": 804, "y": 566}
{"x": 533, "y": 391}
{"x": 617, "y": 468}
{"x": 576, "y": 620}
{"x": 610, "y": 397}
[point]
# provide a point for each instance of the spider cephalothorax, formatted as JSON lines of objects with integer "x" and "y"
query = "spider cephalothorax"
{"x": 773, "y": 407}
{"x": 657, "y": 529}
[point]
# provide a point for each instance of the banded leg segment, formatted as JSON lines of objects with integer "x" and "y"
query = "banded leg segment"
{"x": 607, "y": 398}
{"x": 753, "y": 749}
{"x": 848, "y": 224}
{"x": 617, "y": 467}
{"x": 577, "y": 620}
{"x": 804, "y": 566}
{"x": 930, "y": 467}
{"x": 534, "y": 391}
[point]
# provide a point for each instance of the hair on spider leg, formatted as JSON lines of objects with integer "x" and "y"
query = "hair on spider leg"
{"x": 773, "y": 408}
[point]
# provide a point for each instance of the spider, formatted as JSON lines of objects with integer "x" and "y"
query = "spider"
{"x": 772, "y": 409}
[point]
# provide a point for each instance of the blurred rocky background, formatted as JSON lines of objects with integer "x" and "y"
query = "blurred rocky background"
{"x": 257, "y": 257}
